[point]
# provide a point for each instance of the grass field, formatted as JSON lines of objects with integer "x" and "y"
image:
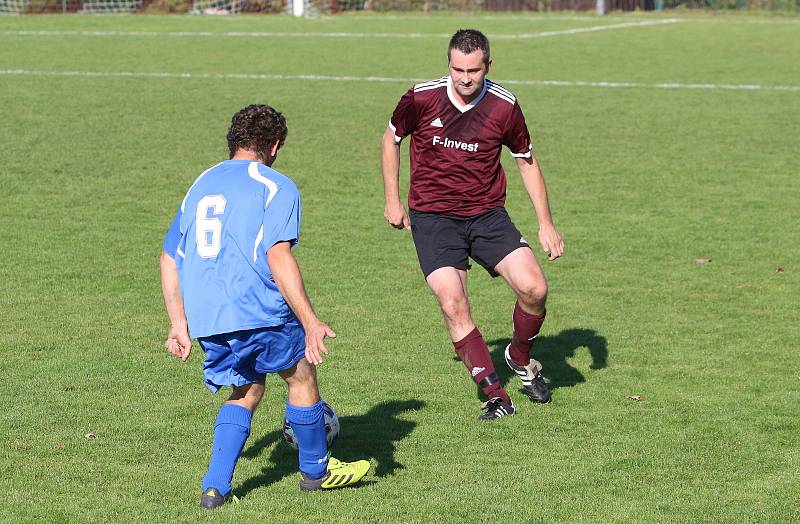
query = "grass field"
{"x": 102, "y": 133}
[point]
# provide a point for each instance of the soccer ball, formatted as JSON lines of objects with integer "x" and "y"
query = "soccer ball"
{"x": 331, "y": 427}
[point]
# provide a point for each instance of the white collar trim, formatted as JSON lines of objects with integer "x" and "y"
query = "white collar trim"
{"x": 465, "y": 108}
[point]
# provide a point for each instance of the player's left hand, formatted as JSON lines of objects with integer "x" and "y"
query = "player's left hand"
{"x": 315, "y": 341}
{"x": 178, "y": 343}
{"x": 551, "y": 241}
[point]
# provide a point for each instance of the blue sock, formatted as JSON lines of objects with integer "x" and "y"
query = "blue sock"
{"x": 230, "y": 433}
{"x": 308, "y": 424}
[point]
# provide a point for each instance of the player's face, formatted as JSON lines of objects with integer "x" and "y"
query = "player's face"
{"x": 467, "y": 72}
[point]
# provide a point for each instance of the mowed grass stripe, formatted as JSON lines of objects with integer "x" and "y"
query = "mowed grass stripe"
{"x": 328, "y": 78}
{"x": 272, "y": 34}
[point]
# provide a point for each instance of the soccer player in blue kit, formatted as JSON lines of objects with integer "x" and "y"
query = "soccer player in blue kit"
{"x": 230, "y": 281}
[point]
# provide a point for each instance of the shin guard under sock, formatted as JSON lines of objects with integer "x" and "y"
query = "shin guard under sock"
{"x": 526, "y": 328}
{"x": 475, "y": 355}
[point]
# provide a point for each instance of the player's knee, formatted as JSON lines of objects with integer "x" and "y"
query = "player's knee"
{"x": 306, "y": 382}
{"x": 303, "y": 376}
{"x": 252, "y": 403}
{"x": 534, "y": 294}
{"x": 454, "y": 308}
{"x": 255, "y": 394}
{"x": 248, "y": 396}
{"x": 302, "y": 384}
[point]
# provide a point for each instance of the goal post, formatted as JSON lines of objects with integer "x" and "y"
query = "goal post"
{"x": 110, "y": 6}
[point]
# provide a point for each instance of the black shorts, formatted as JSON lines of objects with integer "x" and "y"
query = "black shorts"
{"x": 449, "y": 241}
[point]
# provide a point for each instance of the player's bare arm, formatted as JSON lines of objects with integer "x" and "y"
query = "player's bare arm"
{"x": 178, "y": 342}
{"x": 394, "y": 212}
{"x": 549, "y": 237}
{"x": 287, "y": 276}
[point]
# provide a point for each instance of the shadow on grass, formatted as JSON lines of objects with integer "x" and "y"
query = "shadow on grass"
{"x": 553, "y": 352}
{"x": 369, "y": 436}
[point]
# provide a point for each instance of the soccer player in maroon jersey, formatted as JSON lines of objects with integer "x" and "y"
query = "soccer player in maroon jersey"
{"x": 458, "y": 126}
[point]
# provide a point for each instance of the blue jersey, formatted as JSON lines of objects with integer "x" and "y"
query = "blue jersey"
{"x": 233, "y": 213}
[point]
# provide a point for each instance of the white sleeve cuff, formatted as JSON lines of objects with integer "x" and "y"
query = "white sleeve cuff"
{"x": 397, "y": 139}
{"x": 523, "y": 155}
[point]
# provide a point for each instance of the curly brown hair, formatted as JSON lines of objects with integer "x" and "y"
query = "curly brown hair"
{"x": 256, "y": 128}
{"x": 468, "y": 41}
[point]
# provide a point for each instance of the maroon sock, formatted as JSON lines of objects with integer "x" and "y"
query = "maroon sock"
{"x": 475, "y": 355}
{"x": 526, "y": 327}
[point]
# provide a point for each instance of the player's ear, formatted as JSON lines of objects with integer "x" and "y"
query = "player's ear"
{"x": 273, "y": 154}
{"x": 488, "y": 65}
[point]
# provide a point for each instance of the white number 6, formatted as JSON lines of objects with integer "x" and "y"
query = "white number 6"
{"x": 209, "y": 230}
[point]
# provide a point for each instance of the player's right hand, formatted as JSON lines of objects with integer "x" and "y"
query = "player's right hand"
{"x": 315, "y": 341}
{"x": 178, "y": 343}
{"x": 396, "y": 215}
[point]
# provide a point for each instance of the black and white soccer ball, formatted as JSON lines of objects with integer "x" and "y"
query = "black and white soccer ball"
{"x": 331, "y": 427}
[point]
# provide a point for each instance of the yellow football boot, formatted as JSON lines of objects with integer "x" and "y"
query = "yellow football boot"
{"x": 338, "y": 475}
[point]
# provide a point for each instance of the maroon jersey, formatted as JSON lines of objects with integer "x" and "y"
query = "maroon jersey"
{"x": 455, "y": 149}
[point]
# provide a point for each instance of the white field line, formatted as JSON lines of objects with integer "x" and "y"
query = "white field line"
{"x": 590, "y": 29}
{"x": 249, "y": 34}
{"x": 274, "y": 34}
{"x": 331, "y": 78}
{"x": 524, "y": 17}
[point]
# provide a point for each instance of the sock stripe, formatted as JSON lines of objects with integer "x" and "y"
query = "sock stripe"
{"x": 488, "y": 380}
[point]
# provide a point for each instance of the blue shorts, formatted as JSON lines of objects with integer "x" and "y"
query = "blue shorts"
{"x": 245, "y": 357}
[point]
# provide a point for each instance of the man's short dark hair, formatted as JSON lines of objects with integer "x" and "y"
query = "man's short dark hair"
{"x": 256, "y": 128}
{"x": 468, "y": 41}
